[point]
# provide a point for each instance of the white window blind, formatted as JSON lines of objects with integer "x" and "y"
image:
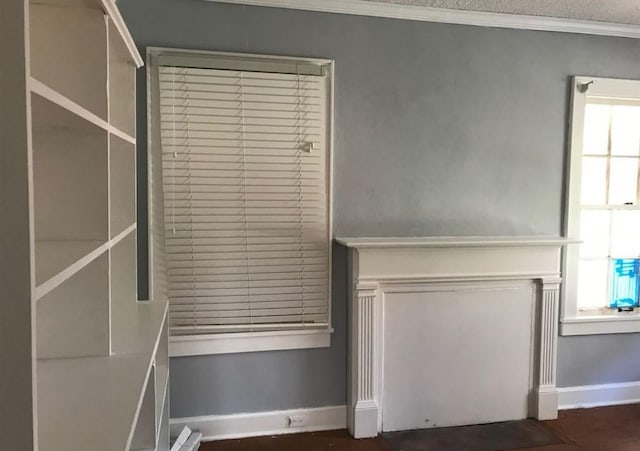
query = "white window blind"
{"x": 245, "y": 180}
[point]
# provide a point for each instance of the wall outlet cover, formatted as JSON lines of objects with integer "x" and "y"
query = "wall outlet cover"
{"x": 298, "y": 421}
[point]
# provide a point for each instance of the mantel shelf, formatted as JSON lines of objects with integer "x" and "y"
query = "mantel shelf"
{"x": 452, "y": 241}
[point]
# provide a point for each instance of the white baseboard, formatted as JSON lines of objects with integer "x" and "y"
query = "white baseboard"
{"x": 598, "y": 395}
{"x": 219, "y": 427}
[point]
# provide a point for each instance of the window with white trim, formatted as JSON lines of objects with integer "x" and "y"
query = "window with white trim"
{"x": 602, "y": 280}
{"x": 245, "y": 144}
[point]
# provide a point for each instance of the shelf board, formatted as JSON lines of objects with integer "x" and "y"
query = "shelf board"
{"x": 93, "y": 400}
{"x": 56, "y": 261}
{"x": 122, "y": 135}
{"x": 133, "y": 325}
{"x": 97, "y": 400}
{"x": 48, "y": 116}
{"x": 119, "y": 237}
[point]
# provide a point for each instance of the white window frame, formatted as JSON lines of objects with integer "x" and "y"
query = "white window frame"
{"x": 572, "y": 321}
{"x": 226, "y": 343}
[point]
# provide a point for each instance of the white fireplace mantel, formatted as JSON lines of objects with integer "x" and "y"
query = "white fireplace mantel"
{"x": 382, "y": 265}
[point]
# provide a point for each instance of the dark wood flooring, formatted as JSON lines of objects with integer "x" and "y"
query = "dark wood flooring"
{"x": 601, "y": 429}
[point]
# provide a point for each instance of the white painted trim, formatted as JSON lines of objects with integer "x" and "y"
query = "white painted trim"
{"x": 598, "y": 395}
{"x": 605, "y": 324}
{"x": 453, "y": 241}
{"x": 112, "y": 11}
{"x": 221, "y": 427}
{"x": 150, "y": 186}
{"x": 572, "y": 322}
{"x": 122, "y": 135}
{"x": 230, "y": 343}
{"x": 392, "y": 279}
{"x": 453, "y": 16}
{"x": 225, "y": 343}
{"x": 546, "y": 403}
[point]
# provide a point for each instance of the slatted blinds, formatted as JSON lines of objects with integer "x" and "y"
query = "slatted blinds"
{"x": 245, "y": 180}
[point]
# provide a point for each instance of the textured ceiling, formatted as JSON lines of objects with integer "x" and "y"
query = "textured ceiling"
{"x": 620, "y": 11}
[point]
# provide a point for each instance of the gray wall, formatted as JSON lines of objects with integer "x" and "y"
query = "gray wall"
{"x": 439, "y": 130}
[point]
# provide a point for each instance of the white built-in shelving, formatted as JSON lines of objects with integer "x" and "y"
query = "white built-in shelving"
{"x": 99, "y": 368}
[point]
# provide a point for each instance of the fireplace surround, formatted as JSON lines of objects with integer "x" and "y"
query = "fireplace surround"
{"x": 379, "y": 267}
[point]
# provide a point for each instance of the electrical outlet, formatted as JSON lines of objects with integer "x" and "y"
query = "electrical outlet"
{"x": 297, "y": 421}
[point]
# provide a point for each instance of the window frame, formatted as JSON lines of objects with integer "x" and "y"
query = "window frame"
{"x": 572, "y": 321}
{"x": 238, "y": 342}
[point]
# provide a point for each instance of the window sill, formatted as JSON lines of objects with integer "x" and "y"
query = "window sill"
{"x": 190, "y": 345}
{"x": 600, "y": 324}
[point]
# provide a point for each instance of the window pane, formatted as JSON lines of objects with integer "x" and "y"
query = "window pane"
{"x": 594, "y": 232}
{"x": 596, "y": 129}
{"x": 625, "y": 130}
{"x": 624, "y": 283}
{"x": 594, "y": 181}
{"x": 625, "y": 236}
{"x": 623, "y": 181}
{"x": 592, "y": 284}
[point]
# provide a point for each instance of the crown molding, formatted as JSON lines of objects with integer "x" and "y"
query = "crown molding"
{"x": 453, "y": 16}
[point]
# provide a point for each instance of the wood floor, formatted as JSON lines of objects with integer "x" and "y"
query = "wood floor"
{"x": 601, "y": 429}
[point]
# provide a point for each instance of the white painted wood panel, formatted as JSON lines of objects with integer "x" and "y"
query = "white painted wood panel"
{"x": 158, "y": 280}
{"x": 123, "y": 293}
{"x": 144, "y": 435}
{"x": 69, "y": 53}
{"x": 58, "y": 260}
{"x": 457, "y": 356}
{"x": 97, "y": 400}
{"x": 55, "y": 179}
{"x": 162, "y": 377}
{"x": 122, "y": 184}
{"x": 162, "y": 443}
{"x": 122, "y": 83}
{"x": 70, "y": 175}
{"x": 73, "y": 319}
{"x": 89, "y": 403}
{"x": 454, "y": 261}
{"x": 17, "y": 304}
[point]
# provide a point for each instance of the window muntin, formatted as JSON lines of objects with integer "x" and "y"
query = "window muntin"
{"x": 610, "y": 211}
